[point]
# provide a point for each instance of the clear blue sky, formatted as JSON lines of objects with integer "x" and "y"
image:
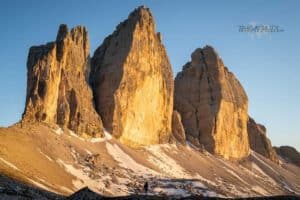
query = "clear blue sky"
{"x": 267, "y": 66}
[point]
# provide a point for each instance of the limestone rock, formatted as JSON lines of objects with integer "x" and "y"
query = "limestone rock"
{"x": 57, "y": 87}
{"x": 213, "y": 105}
{"x": 177, "y": 128}
{"x": 259, "y": 141}
{"x": 290, "y": 154}
{"x": 133, "y": 83}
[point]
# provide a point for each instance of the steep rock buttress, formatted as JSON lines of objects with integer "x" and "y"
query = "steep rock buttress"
{"x": 132, "y": 82}
{"x": 213, "y": 105}
{"x": 259, "y": 141}
{"x": 57, "y": 87}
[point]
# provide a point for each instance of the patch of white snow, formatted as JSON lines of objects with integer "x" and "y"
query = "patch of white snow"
{"x": 126, "y": 161}
{"x": 9, "y": 164}
{"x": 59, "y": 131}
{"x": 45, "y": 155}
{"x": 164, "y": 162}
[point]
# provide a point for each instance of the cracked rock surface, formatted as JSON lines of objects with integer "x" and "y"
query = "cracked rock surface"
{"x": 57, "y": 88}
{"x": 133, "y": 83}
{"x": 213, "y": 105}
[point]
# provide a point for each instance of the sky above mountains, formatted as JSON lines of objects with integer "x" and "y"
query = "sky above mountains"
{"x": 267, "y": 64}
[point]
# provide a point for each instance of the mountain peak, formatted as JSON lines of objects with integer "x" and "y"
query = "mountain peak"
{"x": 57, "y": 90}
{"x": 132, "y": 66}
{"x": 141, "y": 15}
{"x": 63, "y": 31}
{"x": 207, "y": 52}
{"x": 140, "y": 11}
{"x": 213, "y": 105}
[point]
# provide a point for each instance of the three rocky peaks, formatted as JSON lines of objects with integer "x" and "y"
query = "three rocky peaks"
{"x": 127, "y": 87}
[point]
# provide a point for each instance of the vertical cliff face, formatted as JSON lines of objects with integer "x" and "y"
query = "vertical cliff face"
{"x": 57, "y": 86}
{"x": 177, "y": 128}
{"x": 133, "y": 83}
{"x": 259, "y": 141}
{"x": 213, "y": 105}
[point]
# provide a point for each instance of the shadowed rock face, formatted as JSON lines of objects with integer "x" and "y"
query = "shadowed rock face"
{"x": 133, "y": 83}
{"x": 57, "y": 87}
{"x": 290, "y": 154}
{"x": 177, "y": 128}
{"x": 213, "y": 105}
{"x": 259, "y": 142}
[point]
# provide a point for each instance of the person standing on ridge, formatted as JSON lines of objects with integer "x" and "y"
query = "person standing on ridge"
{"x": 146, "y": 187}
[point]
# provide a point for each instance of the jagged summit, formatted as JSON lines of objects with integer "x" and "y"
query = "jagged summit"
{"x": 140, "y": 15}
{"x": 57, "y": 90}
{"x": 140, "y": 12}
{"x": 199, "y": 53}
{"x": 132, "y": 82}
{"x": 63, "y": 31}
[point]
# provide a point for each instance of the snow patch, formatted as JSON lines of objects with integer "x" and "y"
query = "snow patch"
{"x": 287, "y": 187}
{"x": 260, "y": 190}
{"x": 75, "y": 135}
{"x": 9, "y": 164}
{"x": 191, "y": 147}
{"x": 235, "y": 175}
{"x": 262, "y": 162}
{"x": 126, "y": 161}
{"x": 59, "y": 131}
{"x": 40, "y": 185}
{"x": 45, "y": 155}
{"x": 258, "y": 169}
{"x": 107, "y": 136}
{"x": 66, "y": 189}
{"x": 164, "y": 162}
{"x": 96, "y": 140}
{"x": 171, "y": 191}
{"x": 88, "y": 152}
{"x": 180, "y": 188}
{"x": 198, "y": 176}
{"x": 83, "y": 179}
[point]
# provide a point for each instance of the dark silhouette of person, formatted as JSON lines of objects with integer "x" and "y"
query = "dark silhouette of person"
{"x": 146, "y": 187}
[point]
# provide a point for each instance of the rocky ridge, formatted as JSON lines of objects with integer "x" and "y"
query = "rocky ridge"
{"x": 259, "y": 141}
{"x": 289, "y": 154}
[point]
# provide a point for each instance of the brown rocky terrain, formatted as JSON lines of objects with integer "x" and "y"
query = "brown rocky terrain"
{"x": 259, "y": 142}
{"x": 133, "y": 83}
{"x": 213, "y": 105}
{"x": 57, "y": 87}
{"x": 289, "y": 154}
{"x": 61, "y": 162}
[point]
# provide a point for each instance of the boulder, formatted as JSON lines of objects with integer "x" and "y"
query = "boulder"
{"x": 57, "y": 84}
{"x": 213, "y": 105}
{"x": 132, "y": 81}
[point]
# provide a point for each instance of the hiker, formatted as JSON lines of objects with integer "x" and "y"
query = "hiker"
{"x": 146, "y": 187}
